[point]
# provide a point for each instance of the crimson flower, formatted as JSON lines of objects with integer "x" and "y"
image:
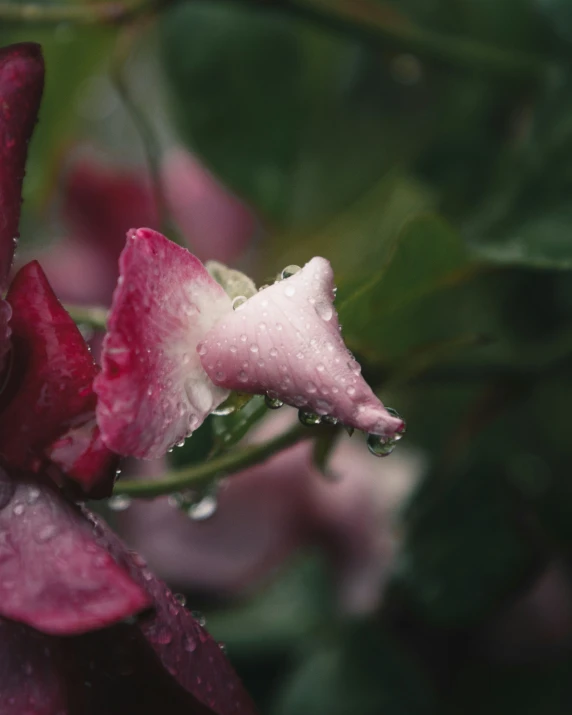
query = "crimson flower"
{"x": 62, "y": 572}
{"x": 175, "y": 348}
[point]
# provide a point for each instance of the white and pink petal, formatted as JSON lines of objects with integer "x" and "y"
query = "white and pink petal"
{"x": 153, "y": 391}
{"x": 285, "y": 342}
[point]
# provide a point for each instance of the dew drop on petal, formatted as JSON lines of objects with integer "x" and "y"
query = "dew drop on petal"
{"x": 119, "y": 502}
{"x": 290, "y": 271}
{"x": 289, "y": 291}
{"x": 253, "y": 348}
{"x": 272, "y": 402}
{"x": 324, "y": 310}
{"x": 180, "y": 598}
{"x": 190, "y": 644}
{"x": 309, "y": 419}
{"x": 238, "y": 302}
{"x": 202, "y": 348}
{"x": 199, "y": 618}
{"x": 243, "y": 338}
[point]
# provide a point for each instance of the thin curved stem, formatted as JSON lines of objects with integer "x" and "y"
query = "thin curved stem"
{"x": 200, "y": 475}
{"x": 367, "y": 20}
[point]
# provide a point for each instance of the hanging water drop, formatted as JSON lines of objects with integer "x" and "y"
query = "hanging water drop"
{"x": 273, "y": 403}
{"x": 119, "y": 502}
{"x": 380, "y": 446}
{"x": 309, "y": 419}
{"x": 203, "y": 509}
{"x": 290, "y": 271}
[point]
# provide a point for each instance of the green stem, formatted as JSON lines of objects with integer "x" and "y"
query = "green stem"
{"x": 200, "y": 475}
{"x": 113, "y": 13}
{"x": 372, "y": 20}
{"x": 88, "y": 315}
{"x": 368, "y": 20}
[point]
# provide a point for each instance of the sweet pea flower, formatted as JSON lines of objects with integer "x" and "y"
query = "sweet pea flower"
{"x": 175, "y": 348}
{"x": 100, "y": 202}
{"x": 66, "y": 583}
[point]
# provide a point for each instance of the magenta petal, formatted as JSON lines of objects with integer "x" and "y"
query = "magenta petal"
{"x": 21, "y": 85}
{"x": 53, "y": 575}
{"x": 191, "y": 656}
{"x": 49, "y": 390}
{"x": 152, "y": 390}
{"x": 32, "y": 681}
{"x": 286, "y": 341}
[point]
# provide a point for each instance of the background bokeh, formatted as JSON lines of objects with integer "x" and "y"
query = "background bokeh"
{"x": 425, "y": 148}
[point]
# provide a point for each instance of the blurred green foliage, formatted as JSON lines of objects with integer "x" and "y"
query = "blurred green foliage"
{"x": 425, "y": 148}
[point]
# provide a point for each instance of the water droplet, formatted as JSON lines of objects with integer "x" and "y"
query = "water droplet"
{"x": 309, "y": 419}
{"x": 279, "y": 326}
{"x": 380, "y": 446}
{"x": 238, "y": 302}
{"x": 320, "y": 367}
{"x": 289, "y": 291}
{"x": 323, "y": 407}
{"x": 190, "y": 644}
{"x": 219, "y": 375}
{"x": 18, "y": 509}
{"x": 181, "y": 599}
{"x": 290, "y": 271}
{"x": 273, "y": 352}
{"x": 223, "y": 647}
{"x": 164, "y": 636}
{"x": 242, "y": 376}
{"x": 199, "y": 618}
{"x": 119, "y": 502}
{"x": 202, "y": 348}
{"x": 330, "y": 420}
{"x": 243, "y": 338}
{"x": 33, "y": 495}
{"x": 324, "y": 310}
{"x": 300, "y": 355}
{"x": 203, "y": 509}
{"x": 351, "y": 390}
{"x": 46, "y": 533}
{"x": 262, "y": 327}
{"x": 253, "y": 348}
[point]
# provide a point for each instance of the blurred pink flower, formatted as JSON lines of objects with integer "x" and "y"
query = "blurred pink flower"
{"x": 100, "y": 203}
{"x": 271, "y": 511}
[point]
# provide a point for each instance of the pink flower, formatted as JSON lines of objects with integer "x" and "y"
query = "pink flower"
{"x": 100, "y": 203}
{"x": 268, "y": 513}
{"x": 62, "y": 573}
{"x": 175, "y": 348}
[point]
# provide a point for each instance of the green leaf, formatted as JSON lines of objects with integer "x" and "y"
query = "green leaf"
{"x": 282, "y": 111}
{"x": 415, "y": 298}
{"x": 365, "y": 672}
{"x": 464, "y": 549}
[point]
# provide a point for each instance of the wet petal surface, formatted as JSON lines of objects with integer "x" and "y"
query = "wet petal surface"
{"x": 49, "y": 389}
{"x": 185, "y": 649}
{"x": 153, "y": 391}
{"x": 21, "y": 86}
{"x": 285, "y": 341}
{"x": 54, "y": 576}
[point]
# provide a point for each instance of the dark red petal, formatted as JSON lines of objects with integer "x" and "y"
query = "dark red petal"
{"x": 192, "y": 657}
{"x": 49, "y": 392}
{"x": 21, "y": 86}
{"x": 152, "y": 390}
{"x": 54, "y": 576}
{"x": 32, "y": 681}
